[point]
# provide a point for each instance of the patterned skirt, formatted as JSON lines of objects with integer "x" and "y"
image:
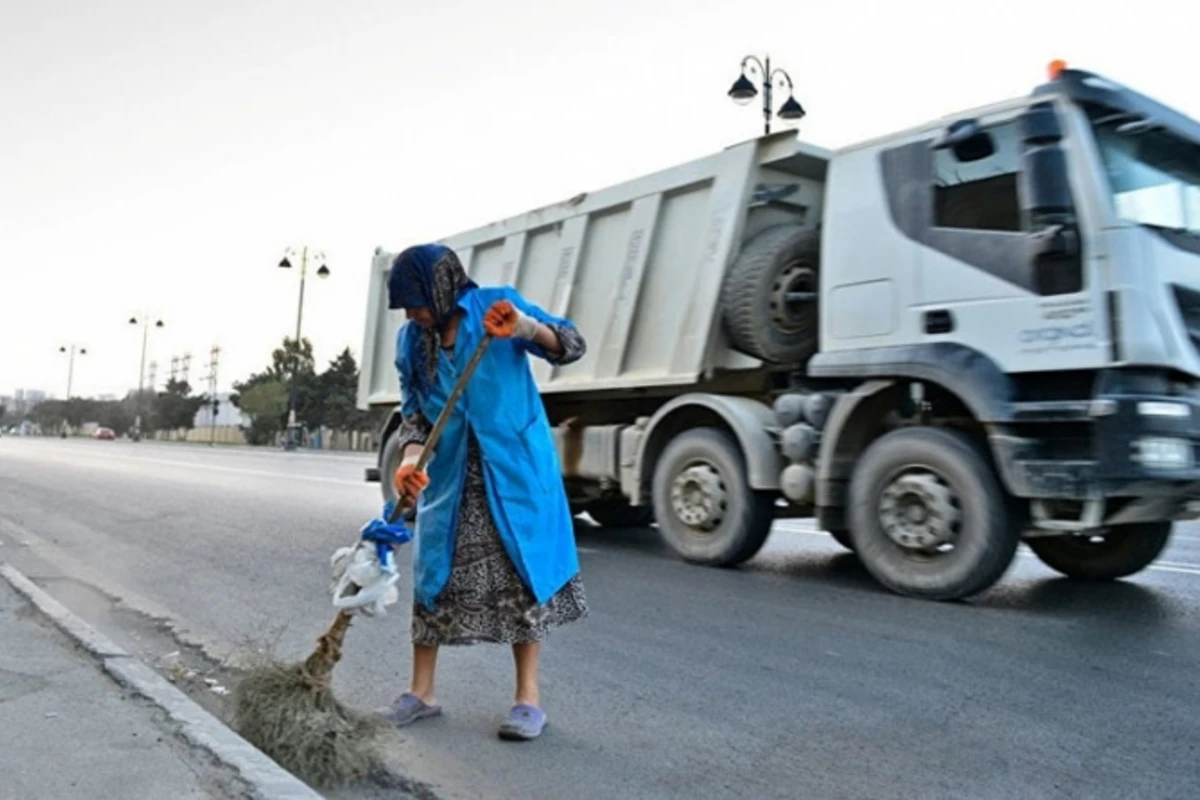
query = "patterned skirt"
{"x": 485, "y": 599}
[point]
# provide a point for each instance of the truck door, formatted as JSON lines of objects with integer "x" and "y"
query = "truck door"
{"x": 1000, "y": 271}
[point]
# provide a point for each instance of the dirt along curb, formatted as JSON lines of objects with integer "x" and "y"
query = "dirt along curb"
{"x": 268, "y": 781}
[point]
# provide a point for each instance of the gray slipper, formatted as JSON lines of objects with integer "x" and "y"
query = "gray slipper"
{"x": 524, "y": 722}
{"x": 407, "y": 709}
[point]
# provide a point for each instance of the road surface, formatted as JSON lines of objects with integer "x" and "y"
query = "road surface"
{"x": 794, "y": 677}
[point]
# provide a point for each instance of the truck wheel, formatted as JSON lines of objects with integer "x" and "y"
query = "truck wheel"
{"x": 759, "y": 317}
{"x": 389, "y": 462}
{"x": 928, "y": 517}
{"x": 1116, "y": 552}
{"x": 618, "y": 513}
{"x": 843, "y": 538}
{"x": 705, "y": 510}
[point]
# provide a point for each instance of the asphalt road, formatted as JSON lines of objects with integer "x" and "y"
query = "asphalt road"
{"x": 794, "y": 677}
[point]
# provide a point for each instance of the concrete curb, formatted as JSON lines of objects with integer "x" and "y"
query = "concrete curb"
{"x": 267, "y": 780}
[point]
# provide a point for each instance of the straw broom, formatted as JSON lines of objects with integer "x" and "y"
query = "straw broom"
{"x": 289, "y": 711}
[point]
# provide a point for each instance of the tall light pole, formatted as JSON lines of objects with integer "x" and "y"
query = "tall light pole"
{"x": 744, "y": 90}
{"x": 144, "y": 321}
{"x": 317, "y": 257}
{"x": 70, "y": 351}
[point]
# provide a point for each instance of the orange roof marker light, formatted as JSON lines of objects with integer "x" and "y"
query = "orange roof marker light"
{"x": 1056, "y": 67}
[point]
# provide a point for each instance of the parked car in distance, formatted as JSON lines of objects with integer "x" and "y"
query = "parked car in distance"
{"x": 104, "y": 433}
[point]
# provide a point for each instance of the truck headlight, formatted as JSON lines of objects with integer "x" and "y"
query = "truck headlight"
{"x": 1156, "y": 408}
{"x": 1163, "y": 453}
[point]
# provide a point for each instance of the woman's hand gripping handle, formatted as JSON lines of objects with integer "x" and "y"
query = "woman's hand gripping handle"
{"x": 411, "y": 478}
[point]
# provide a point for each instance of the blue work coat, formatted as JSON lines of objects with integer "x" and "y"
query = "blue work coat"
{"x": 501, "y": 405}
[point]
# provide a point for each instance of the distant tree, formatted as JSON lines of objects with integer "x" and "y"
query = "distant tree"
{"x": 80, "y": 410}
{"x": 10, "y": 416}
{"x": 291, "y": 356}
{"x": 308, "y": 394}
{"x": 337, "y": 389}
{"x": 175, "y": 408}
{"x": 117, "y": 415}
{"x": 145, "y": 404}
{"x": 49, "y": 414}
{"x": 265, "y": 402}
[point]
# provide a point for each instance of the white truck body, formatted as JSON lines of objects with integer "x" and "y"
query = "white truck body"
{"x": 637, "y": 267}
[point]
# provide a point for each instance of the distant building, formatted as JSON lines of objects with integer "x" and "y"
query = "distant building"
{"x": 25, "y": 400}
{"x": 228, "y": 415}
{"x": 30, "y": 398}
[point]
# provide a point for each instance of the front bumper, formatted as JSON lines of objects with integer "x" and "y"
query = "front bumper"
{"x": 1136, "y": 445}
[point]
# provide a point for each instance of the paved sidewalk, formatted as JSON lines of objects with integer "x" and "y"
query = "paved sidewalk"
{"x": 67, "y": 730}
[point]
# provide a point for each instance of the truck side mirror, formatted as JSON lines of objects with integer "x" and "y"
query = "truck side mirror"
{"x": 967, "y": 140}
{"x": 1046, "y": 203}
{"x": 1039, "y": 125}
{"x": 1045, "y": 184}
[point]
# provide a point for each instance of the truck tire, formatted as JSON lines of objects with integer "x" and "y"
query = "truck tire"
{"x": 758, "y": 318}
{"x": 618, "y": 513}
{"x": 1118, "y": 552}
{"x": 843, "y": 538}
{"x": 706, "y": 511}
{"x": 389, "y": 462}
{"x": 916, "y": 492}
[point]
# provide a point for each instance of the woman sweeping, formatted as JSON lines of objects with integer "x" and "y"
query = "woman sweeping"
{"x": 494, "y": 557}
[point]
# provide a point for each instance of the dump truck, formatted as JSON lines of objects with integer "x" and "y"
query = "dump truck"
{"x": 939, "y": 343}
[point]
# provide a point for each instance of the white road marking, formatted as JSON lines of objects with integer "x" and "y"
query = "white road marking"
{"x": 201, "y": 449}
{"x": 1186, "y": 571}
{"x": 364, "y": 458}
{"x": 1178, "y": 564}
{"x": 192, "y": 465}
{"x": 791, "y": 528}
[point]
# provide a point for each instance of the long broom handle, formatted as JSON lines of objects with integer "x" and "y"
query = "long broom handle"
{"x": 329, "y": 645}
{"x": 459, "y": 386}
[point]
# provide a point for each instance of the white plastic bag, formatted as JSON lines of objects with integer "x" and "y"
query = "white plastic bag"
{"x": 360, "y": 583}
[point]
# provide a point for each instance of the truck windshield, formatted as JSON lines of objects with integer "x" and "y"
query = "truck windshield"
{"x": 1154, "y": 175}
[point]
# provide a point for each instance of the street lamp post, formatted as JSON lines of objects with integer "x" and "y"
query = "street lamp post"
{"x": 145, "y": 323}
{"x": 318, "y": 257}
{"x": 71, "y": 351}
{"x": 744, "y": 90}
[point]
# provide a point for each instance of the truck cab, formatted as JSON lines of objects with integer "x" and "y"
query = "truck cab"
{"x": 1033, "y": 278}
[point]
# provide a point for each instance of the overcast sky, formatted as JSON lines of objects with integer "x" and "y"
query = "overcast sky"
{"x": 161, "y": 155}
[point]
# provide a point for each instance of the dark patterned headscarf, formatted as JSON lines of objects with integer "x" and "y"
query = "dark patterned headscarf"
{"x": 427, "y": 276}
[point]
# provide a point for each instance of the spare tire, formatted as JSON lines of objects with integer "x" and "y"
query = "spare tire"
{"x": 759, "y": 318}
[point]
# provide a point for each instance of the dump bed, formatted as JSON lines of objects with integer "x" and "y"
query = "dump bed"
{"x": 637, "y": 266}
